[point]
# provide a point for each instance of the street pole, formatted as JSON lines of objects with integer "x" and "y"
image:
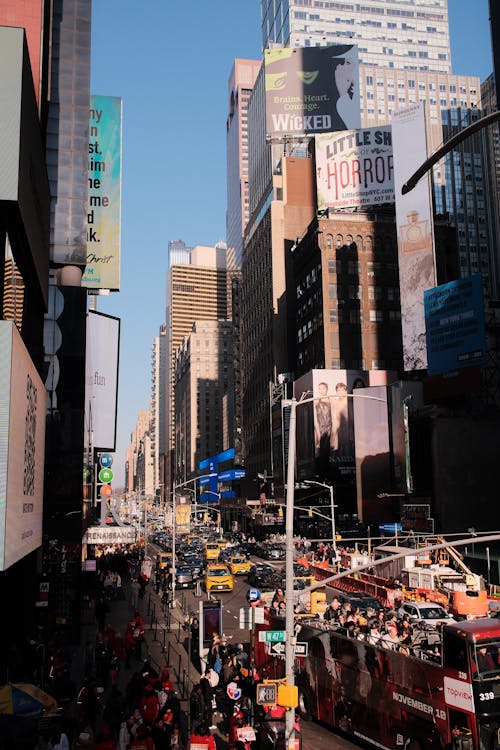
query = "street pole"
{"x": 332, "y": 509}
{"x": 289, "y": 615}
{"x": 252, "y": 664}
{"x": 173, "y": 547}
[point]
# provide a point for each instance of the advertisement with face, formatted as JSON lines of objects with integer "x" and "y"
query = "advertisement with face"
{"x": 354, "y": 168}
{"x": 325, "y": 427}
{"x": 311, "y": 90}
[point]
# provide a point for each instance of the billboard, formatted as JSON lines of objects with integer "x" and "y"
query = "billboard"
{"x": 104, "y": 194}
{"x": 354, "y": 168}
{"x": 373, "y": 455}
{"x": 110, "y": 535}
{"x": 101, "y": 378}
{"x": 22, "y": 441}
{"x": 182, "y": 514}
{"x": 24, "y": 185}
{"x": 417, "y": 271}
{"x": 311, "y": 90}
{"x": 454, "y": 324}
{"x": 325, "y": 427}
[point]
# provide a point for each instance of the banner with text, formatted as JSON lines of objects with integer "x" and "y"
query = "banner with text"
{"x": 22, "y": 449}
{"x": 456, "y": 333}
{"x": 104, "y": 194}
{"x": 311, "y": 90}
{"x": 415, "y": 231}
{"x": 354, "y": 168}
{"x": 101, "y": 378}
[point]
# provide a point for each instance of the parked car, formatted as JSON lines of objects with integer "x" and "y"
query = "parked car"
{"x": 427, "y": 612}
{"x": 218, "y": 578}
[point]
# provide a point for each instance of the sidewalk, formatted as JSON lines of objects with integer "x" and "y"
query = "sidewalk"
{"x": 163, "y": 646}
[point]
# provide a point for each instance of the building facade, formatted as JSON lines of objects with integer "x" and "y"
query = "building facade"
{"x": 196, "y": 291}
{"x": 240, "y": 87}
{"x": 203, "y": 395}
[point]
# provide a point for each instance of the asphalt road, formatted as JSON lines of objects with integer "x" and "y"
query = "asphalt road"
{"x": 314, "y": 735}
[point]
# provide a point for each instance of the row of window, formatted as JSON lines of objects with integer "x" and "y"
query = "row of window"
{"x": 354, "y": 317}
{"x": 356, "y": 267}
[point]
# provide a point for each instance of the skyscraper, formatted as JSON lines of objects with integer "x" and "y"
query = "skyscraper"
{"x": 410, "y": 34}
{"x": 405, "y": 56}
{"x": 197, "y": 290}
{"x": 240, "y": 86}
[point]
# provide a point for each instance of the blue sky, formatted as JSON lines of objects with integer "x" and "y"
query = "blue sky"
{"x": 170, "y": 62}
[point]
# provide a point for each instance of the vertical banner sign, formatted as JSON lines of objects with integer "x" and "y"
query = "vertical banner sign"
{"x": 22, "y": 445}
{"x": 415, "y": 232}
{"x": 101, "y": 379}
{"x": 104, "y": 194}
{"x": 182, "y": 514}
{"x": 312, "y": 90}
{"x": 354, "y": 168}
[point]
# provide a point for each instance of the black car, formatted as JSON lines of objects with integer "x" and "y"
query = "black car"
{"x": 197, "y": 565}
{"x": 262, "y": 576}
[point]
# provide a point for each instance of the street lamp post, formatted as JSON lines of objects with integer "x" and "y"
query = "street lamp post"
{"x": 332, "y": 508}
{"x": 178, "y": 487}
{"x": 290, "y": 489}
{"x": 217, "y": 495}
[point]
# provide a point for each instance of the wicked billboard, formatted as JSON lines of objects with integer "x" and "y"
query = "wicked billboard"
{"x": 311, "y": 90}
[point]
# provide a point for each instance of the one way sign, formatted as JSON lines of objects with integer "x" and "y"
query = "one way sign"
{"x": 277, "y": 649}
{"x": 301, "y": 649}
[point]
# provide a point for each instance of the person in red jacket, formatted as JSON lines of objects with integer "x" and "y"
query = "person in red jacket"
{"x": 137, "y": 632}
{"x": 148, "y": 705}
{"x": 165, "y": 680}
{"x": 129, "y": 643}
{"x": 201, "y": 738}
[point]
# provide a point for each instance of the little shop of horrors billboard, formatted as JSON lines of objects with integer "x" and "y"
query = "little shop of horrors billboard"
{"x": 355, "y": 168}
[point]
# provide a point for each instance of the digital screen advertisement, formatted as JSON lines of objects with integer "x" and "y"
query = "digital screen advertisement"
{"x": 22, "y": 449}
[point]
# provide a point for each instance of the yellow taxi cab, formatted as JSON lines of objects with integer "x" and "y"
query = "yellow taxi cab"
{"x": 163, "y": 560}
{"x": 239, "y": 565}
{"x": 212, "y": 550}
{"x": 218, "y": 578}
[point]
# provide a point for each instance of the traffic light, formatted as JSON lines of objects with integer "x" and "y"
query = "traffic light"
{"x": 318, "y": 602}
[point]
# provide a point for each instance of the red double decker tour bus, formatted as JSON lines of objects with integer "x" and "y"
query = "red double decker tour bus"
{"x": 392, "y": 699}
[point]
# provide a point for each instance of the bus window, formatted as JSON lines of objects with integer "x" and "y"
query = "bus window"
{"x": 455, "y": 653}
